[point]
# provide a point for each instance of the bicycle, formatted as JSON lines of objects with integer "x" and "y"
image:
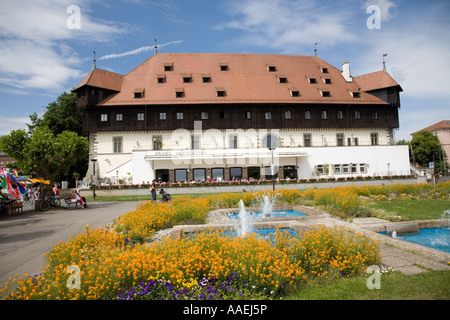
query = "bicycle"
{"x": 28, "y": 199}
{"x": 49, "y": 202}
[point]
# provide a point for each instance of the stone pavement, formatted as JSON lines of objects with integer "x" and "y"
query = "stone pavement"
{"x": 25, "y": 238}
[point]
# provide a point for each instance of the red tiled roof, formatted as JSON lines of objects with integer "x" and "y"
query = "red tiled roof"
{"x": 247, "y": 80}
{"x": 102, "y": 79}
{"x": 441, "y": 125}
{"x": 376, "y": 80}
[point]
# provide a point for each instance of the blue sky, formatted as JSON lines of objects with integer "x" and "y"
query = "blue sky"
{"x": 41, "y": 56}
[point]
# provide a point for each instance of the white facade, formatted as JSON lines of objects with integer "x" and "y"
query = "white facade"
{"x": 137, "y": 157}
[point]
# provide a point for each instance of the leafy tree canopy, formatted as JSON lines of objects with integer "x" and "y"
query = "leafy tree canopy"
{"x": 61, "y": 115}
{"x": 427, "y": 148}
{"x": 42, "y": 152}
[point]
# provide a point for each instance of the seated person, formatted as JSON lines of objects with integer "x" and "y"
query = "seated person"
{"x": 76, "y": 198}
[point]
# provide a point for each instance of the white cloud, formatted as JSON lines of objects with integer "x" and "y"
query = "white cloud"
{"x": 36, "y": 47}
{"x": 137, "y": 51}
{"x": 12, "y": 123}
{"x": 288, "y": 25}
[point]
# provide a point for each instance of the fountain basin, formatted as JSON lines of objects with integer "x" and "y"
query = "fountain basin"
{"x": 435, "y": 238}
{"x": 264, "y": 233}
{"x": 273, "y": 214}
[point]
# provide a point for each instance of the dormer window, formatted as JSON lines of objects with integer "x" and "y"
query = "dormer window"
{"x": 206, "y": 78}
{"x": 168, "y": 67}
{"x": 356, "y": 95}
{"x": 327, "y": 80}
{"x": 324, "y": 70}
{"x": 179, "y": 93}
{"x": 224, "y": 67}
{"x": 187, "y": 79}
{"x": 282, "y": 79}
{"x": 161, "y": 78}
{"x": 312, "y": 80}
{"x": 271, "y": 68}
{"x": 325, "y": 94}
{"x": 138, "y": 93}
{"x": 295, "y": 93}
{"x": 221, "y": 92}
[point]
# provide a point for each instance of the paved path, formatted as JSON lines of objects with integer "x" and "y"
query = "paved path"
{"x": 25, "y": 238}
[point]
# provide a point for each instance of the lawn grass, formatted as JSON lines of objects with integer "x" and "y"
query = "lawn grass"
{"x": 413, "y": 209}
{"x": 430, "y": 285}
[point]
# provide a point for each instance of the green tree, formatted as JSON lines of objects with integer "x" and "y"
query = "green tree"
{"x": 44, "y": 153}
{"x": 427, "y": 148}
{"x": 61, "y": 115}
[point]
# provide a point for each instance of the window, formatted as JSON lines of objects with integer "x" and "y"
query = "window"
{"x": 324, "y": 114}
{"x": 355, "y": 141}
{"x": 138, "y": 95}
{"x": 236, "y": 173}
{"x": 354, "y": 167}
{"x": 324, "y": 70}
{"x": 195, "y": 142}
{"x": 162, "y": 116}
{"x": 204, "y": 115}
{"x": 157, "y": 142}
{"x": 307, "y": 114}
{"x": 222, "y": 115}
{"x": 326, "y": 94}
{"x": 357, "y": 114}
{"x": 349, "y": 141}
{"x": 374, "y": 138}
{"x": 337, "y": 169}
{"x": 119, "y": 116}
{"x": 295, "y": 93}
{"x": 224, "y": 67}
{"x": 103, "y": 117}
{"x": 216, "y": 173}
{"x": 199, "y": 174}
{"x": 322, "y": 169}
{"x": 161, "y": 79}
{"x": 340, "y": 114}
{"x": 307, "y": 140}
{"x": 340, "y": 139}
{"x": 270, "y": 141}
{"x": 233, "y": 141}
{"x": 179, "y": 115}
{"x": 374, "y": 115}
{"x": 168, "y": 67}
{"x": 187, "y": 79}
{"x": 327, "y": 81}
{"x": 268, "y": 115}
{"x": 140, "y": 116}
{"x": 221, "y": 93}
{"x": 206, "y": 79}
{"x": 288, "y": 115}
{"x": 179, "y": 93}
{"x": 282, "y": 80}
{"x": 248, "y": 115}
{"x": 117, "y": 141}
{"x": 356, "y": 95}
{"x": 272, "y": 68}
{"x": 180, "y": 175}
{"x": 312, "y": 80}
{"x": 362, "y": 167}
{"x": 345, "y": 168}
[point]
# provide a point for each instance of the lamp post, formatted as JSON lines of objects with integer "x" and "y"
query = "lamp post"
{"x": 272, "y": 167}
{"x": 93, "y": 177}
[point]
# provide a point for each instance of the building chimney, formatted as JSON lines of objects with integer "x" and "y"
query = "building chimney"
{"x": 346, "y": 72}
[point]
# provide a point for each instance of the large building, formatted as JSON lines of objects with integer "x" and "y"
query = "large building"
{"x": 194, "y": 116}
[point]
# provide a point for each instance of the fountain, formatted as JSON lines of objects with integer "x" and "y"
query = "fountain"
{"x": 244, "y": 221}
{"x": 267, "y": 205}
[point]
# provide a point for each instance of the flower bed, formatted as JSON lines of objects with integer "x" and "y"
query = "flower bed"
{"x": 241, "y": 182}
{"x": 116, "y": 262}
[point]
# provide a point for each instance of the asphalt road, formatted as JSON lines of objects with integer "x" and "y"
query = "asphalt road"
{"x": 25, "y": 238}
